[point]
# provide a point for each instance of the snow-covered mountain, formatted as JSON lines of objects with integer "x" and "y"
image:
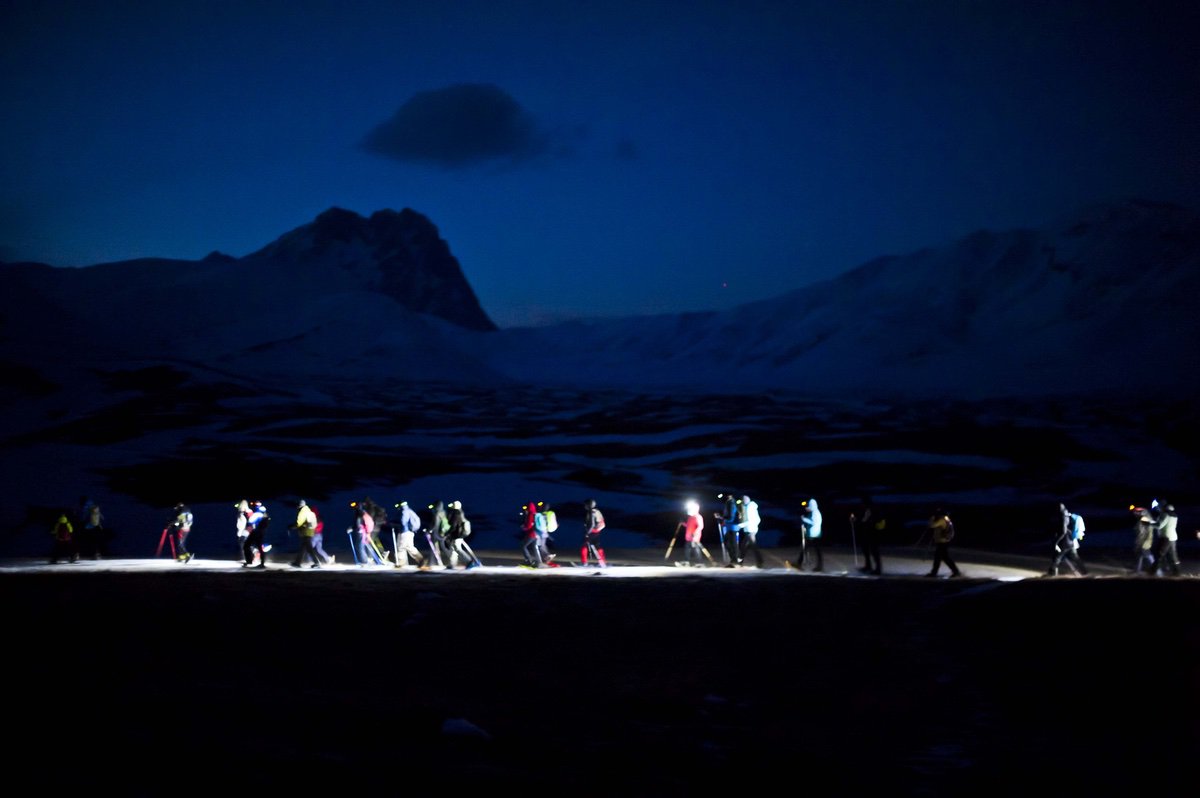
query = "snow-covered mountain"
{"x": 1102, "y": 301}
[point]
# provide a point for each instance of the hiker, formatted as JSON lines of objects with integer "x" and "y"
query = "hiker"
{"x": 379, "y": 523}
{"x": 254, "y": 551}
{"x": 319, "y": 538}
{"x": 810, "y": 529}
{"x": 941, "y": 529}
{"x": 545, "y": 522}
{"x": 593, "y": 524}
{"x": 750, "y": 532}
{"x": 364, "y": 528}
{"x": 1165, "y": 532}
{"x": 305, "y": 526}
{"x": 460, "y": 530}
{"x": 869, "y": 523}
{"x": 531, "y": 547}
{"x": 1066, "y": 544}
{"x": 406, "y": 548}
{"x": 63, "y": 545}
{"x": 1143, "y": 540}
{"x": 435, "y": 535}
{"x": 693, "y": 529}
{"x": 91, "y": 533}
{"x": 729, "y": 525}
{"x": 179, "y": 527}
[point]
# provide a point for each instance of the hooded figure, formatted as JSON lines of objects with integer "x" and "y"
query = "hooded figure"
{"x": 810, "y": 525}
{"x": 750, "y": 531}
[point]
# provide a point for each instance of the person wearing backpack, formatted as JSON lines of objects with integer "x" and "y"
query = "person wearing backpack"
{"x": 435, "y": 536}
{"x": 546, "y": 523}
{"x": 750, "y": 532}
{"x": 63, "y": 546}
{"x": 1066, "y": 544}
{"x": 305, "y": 526}
{"x": 1143, "y": 540}
{"x": 1165, "y": 530}
{"x": 180, "y": 526}
{"x": 91, "y": 533}
{"x": 254, "y": 551}
{"x": 319, "y": 538}
{"x": 531, "y": 545}
{"x": 460, "y": 530}
{"x": 729, "y": 524}
{"x": 406, "y": 548}
{"x": 941, "y": 529}
{"x": 810, "y": 530}
{"x": 869, "y": 523}
{"x": 592, "y": 526}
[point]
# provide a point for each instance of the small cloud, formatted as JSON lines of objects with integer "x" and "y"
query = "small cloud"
{"x": 627, "y": 150}
{"x": 459, "y": 126}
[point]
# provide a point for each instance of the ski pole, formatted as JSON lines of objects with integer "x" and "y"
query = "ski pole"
{"x": 721, "y": 529}
{"x": 853, "y": 542}
{"x": 709, "y": 556}
{"x": 434, "y": 549}
{"x": 672, "y": 543}
{"x": 395, "y": 548}
{"x": 353, "y": 548}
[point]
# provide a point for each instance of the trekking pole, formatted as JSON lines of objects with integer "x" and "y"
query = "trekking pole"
{"x": 395, "y": 548}
{"x": 853, "y": 541}
{"x": 721, "y": 529}
{"x": 434, "y": 549}
{"x": 709, "y": 556}
{"x": 353, "y": 548}
{"x": 672, "y": 543}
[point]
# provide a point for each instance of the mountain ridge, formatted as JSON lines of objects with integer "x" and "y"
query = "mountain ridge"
{"x": 1076, "y": 306}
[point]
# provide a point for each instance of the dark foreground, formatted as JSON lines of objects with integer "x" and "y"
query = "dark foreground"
{"x": 148, "y": 683}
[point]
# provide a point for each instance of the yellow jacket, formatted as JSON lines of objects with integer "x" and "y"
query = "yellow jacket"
{"x": 306, "y": 521}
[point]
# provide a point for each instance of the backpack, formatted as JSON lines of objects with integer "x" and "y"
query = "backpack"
{"x": 320, "y": 527}
{"x": 1077, "y": 526}
{"x": 551, "y": 521}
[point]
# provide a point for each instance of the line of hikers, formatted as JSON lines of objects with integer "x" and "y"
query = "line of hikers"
{"x": 738, "y": 521}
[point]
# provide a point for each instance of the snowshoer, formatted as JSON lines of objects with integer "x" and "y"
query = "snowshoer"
{"x": 593, "y": 525}
{"x": 693, "y": 530}
{"x": 406, "y": 547}
{"x": 63, "y": 545}
{"x": 379, "y": 520}
{"x": 460, "y": 530}
{"x": 1143, "y": 541}
{"x": 545, "y": 522}
{"x": 435, "y": 535}
{"x": 305, "y": 526}
{"x": 749, "y": 532}
{"x": 531, "y": 547}
{"x": 364, "y": 529}
{"x": 1066, "y": 543}
{"x": 869, "y": 523}
{"x": 179, "y": 527}
{"x": 810, "y": 531}
{"x": 1165, "y": 531}
{"x": 254, "y": 551}
{"x": 91, "y": 533}
{"x": 729, "y": 524}
{"x": 941, "y": 529}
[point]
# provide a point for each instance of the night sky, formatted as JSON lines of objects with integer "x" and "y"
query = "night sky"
{"x": 588, "y": 158}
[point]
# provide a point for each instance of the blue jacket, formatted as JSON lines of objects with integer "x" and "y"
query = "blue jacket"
{"x": 811, "y": 520}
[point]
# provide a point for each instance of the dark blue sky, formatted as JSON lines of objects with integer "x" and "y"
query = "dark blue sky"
{"x": 588, "y": 158}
